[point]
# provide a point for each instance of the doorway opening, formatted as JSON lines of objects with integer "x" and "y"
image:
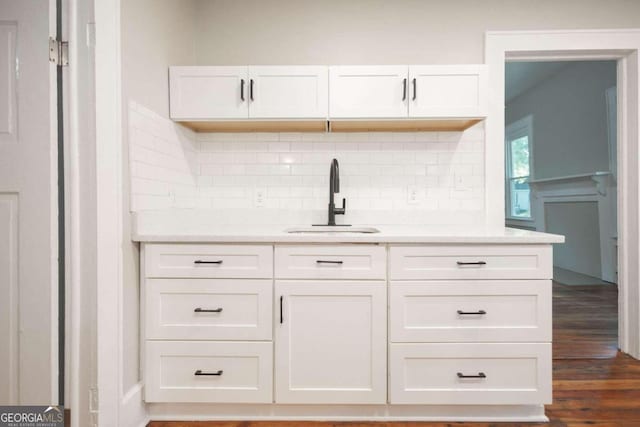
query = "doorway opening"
{"x": 561, "y": 177}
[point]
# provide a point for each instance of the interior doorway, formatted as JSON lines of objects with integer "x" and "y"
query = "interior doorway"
{"x": 622, "y": 46}
{"x": 560, "y": 177}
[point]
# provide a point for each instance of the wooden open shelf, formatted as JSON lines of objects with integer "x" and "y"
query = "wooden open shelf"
{"x": 258, "y": 126}
{"x": 408, "y": 125}
{"x": 382, "y": 125}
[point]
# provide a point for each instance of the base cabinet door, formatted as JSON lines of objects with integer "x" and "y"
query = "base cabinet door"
{"x": 330, "y": 342}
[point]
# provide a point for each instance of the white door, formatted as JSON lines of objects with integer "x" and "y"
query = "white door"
{"x": 330, "y": 339}
{"x": 288, "y": 92}
{"x": 28, "y": 205}
{"x": 198, "y": 93}
{"x": 368, "y": 91}
{"x": 448, "y": 91}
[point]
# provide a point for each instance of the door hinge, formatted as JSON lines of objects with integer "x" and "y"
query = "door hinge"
{"x": 58, "y": 52}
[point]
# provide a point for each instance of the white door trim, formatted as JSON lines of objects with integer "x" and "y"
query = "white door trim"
{"x": 117, "y": 406}
{"x": 109, "y": 211}
{"x": 624, "y": 46}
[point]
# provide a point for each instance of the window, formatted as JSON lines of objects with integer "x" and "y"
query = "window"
{"x": 518, "y": 168}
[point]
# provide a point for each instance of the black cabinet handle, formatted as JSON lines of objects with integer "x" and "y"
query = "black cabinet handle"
{"x": 404, "y": 89}
{"x": 470, "y": 313}
{"x": 199, "y": 261}
{"x": 205, "y": 310}
{"x": 415, "y": 89}
{"x": 321, "y": 261}
{"x": 281, "y": 316}
{"x": 251, "y": 89}
{"x": 242, "y": 89}
{"x": 480, "y": 375}
{"x": 199, "y": 372}
{"x": 472, "y": 263}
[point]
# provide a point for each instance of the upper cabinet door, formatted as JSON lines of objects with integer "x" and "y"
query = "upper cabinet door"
{"x": 208, "y": 93}
{"x": 277, "y": 92}
{"x": 368, "y": 91}
{"x": 448, "y": 91}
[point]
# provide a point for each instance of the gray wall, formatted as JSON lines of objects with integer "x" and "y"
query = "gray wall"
{"x": 266, "y": 32}
{"x": 569, "y": 119}
{"x": 155, "y": 34}
{"x": 578, "y": 222}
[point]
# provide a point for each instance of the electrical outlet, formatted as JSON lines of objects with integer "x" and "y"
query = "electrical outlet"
{"x": 413, "y": 194}
{"x": 259, "y": 196}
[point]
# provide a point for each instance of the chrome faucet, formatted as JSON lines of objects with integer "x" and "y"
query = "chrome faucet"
{"x": 334, "y": 187}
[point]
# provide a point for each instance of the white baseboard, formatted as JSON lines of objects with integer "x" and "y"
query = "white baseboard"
{"x": 133, "y": 410}
{"x": 441, "y": 413}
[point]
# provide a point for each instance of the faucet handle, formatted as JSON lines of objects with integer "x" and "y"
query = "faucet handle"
{"x": 343, "y": 209}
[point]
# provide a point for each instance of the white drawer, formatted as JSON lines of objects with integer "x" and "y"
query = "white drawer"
{"x": 176, "y": 371}
{"x": 470, "y": 311}
{"x": 209, "y": 261}
{"x": 470, "y": 262}
{"x": 209, "y": 309}
{"x": 331, "y": 262}
{"x": 506, "y": 374}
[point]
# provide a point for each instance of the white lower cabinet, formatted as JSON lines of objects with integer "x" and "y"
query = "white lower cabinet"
{"x": 331, "y": 339}
{"x": 470, "y": 311}
{"x": 467, "y": 325}
{"x": 470, "y": 374}
{"x": 207, "y": 371}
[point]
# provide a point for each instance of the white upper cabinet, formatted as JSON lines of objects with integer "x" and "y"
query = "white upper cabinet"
{"x": 269, "y": 92}
{"x": 442, "y": 91}
{"x": 198, "y": 93}
{"x": 452, "y": 97}
{"x": 368, "y": 91}
{"x": 288, "y": 92}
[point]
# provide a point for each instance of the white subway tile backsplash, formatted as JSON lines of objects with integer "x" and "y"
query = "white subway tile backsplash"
{"x": 173, "y": 167}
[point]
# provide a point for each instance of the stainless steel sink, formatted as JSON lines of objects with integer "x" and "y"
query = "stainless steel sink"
{"x": 332, "y": 229}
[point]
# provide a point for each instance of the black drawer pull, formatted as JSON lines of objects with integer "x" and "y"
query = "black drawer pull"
{"x": 209, "y": 374}
{"x": 480, "y": 375}
{"x": 321, "y": 261}
{"x": 204, "y": 310}
{"x": 242, "y": 89}
{"x": 200, "y": 261}
{"x": 471, "y": 263}
{"x": 281, "y": 314}
{"x": 470, "y": 313}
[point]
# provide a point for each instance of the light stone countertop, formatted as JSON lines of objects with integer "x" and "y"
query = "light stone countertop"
{"x": 173, "y": 227}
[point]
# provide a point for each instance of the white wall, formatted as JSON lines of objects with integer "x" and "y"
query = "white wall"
{"x": 159, "y": 33}
{"x": 569, "y": 119}
{"x": 155, "y": 34}
{"x": 264, "y": 32}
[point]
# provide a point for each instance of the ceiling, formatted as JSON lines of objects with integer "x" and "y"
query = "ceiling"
{"x": 522, "y": 76}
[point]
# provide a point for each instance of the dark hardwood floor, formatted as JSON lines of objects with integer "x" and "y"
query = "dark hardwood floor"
{"x": 593, "y": 384}
{"x": 585, "y": 321}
